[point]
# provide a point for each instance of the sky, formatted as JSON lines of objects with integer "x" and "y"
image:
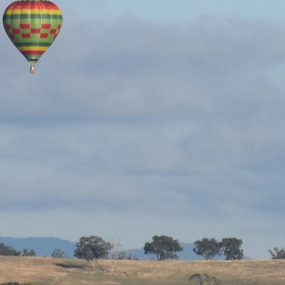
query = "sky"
{"x": 148, "y": 118}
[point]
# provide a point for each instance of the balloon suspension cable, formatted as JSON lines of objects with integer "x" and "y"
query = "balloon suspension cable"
{"x": 32, "y": 69}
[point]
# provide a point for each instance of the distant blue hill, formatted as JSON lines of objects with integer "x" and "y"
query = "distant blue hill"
{"x": 42, "y": 246}
{"x": 189, "y": 254}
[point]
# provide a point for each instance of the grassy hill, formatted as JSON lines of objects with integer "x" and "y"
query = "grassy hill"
{"x": 46, "y": 271}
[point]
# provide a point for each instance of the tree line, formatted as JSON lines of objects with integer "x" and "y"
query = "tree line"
{"x": 10, "y": 251}
{"x": 93, "y": 248}
{"x": 165, "y": 247}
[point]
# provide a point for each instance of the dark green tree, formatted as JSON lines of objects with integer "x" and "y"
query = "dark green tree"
{"x": 163, "y": 247}
{"x": 232, "y": 248}
{"x": 208, "y": 248}
{"x": 28, "y": 252}
{"x": 57, "y": 253}
{"x": 92, "y": 248}
{"x": 8, "y": 250}
{"x": 279, "y": 253}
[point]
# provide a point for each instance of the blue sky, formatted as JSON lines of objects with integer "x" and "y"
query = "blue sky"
{"x": 182, "y": 10}
{"x": 148, "y": 118}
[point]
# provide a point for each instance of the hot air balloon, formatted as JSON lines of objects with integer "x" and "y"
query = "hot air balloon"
{"x": 32, "y": 26}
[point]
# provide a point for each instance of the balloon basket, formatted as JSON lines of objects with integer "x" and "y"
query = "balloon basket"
{"x": 32, "y": 69}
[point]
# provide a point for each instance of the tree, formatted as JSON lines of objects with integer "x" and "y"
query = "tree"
{"x": 57, "y": 253}
{"x": 163, "y": 247}
{"x": 231, "y": 248}
{"x": 92, "y": 248}
{"x": 279, "y": 253}
{"x": 8, "y": 250}
{"x": 28, "y": 252}
{"x": 116, "y": 253}
{"x": 208, "y": 248}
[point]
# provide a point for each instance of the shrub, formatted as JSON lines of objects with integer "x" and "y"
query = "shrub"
{"x": 15, "y": 283}
{"x": 203, "y": 279}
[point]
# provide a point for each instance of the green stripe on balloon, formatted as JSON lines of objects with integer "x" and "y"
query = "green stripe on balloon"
{"x": 33, "y": 16}
{"x": 33, "y": 44}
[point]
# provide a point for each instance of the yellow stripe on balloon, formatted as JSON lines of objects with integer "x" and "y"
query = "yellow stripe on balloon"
{"x": 10, "y": 12}
{"x": 33, "y": 11}
{"x": 32, "y": 48}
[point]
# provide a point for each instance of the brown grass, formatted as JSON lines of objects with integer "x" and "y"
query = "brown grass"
{"x": 47, "y": 271}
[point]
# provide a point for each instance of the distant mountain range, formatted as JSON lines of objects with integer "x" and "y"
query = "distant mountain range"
{"x": 44, "y": 246}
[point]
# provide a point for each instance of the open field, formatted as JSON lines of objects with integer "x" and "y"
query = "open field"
{"x": 47, "y": 271}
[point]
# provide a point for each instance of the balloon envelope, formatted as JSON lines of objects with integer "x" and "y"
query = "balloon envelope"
{"x": 32, "y": 26}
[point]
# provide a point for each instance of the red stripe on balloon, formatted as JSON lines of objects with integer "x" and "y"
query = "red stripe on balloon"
{"x": 44, "y": 36}
{"x": 16, "y": 31}
{"x": 32, "y": 52}
{"x": 46, "y": 26}
{"x": 25, "y": 26}
{"x": 35, "y": 31}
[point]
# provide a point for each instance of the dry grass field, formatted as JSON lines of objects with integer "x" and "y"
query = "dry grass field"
{"x": 50, "y": 271}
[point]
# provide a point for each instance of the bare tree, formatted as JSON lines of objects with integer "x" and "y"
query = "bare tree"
{"x": 116, "y": 253}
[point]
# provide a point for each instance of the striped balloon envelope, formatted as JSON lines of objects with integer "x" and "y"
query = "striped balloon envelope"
{"x": 32, "y": 26}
